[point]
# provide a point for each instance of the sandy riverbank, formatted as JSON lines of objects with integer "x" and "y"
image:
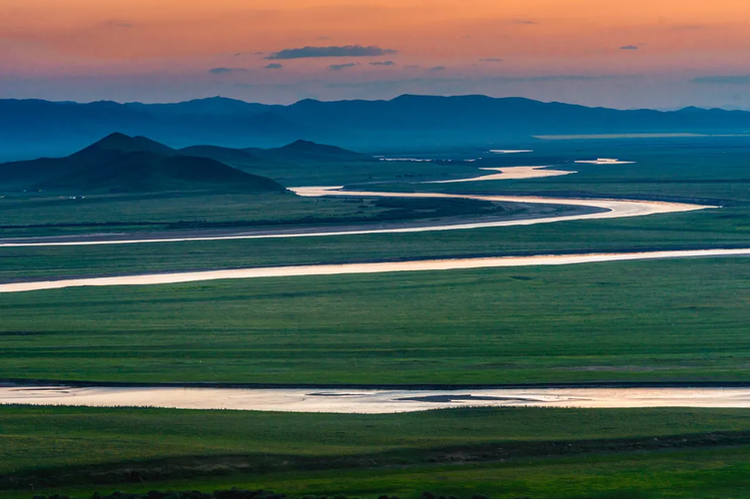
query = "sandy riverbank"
{"x": 510, "y": 173}
{"x": 372, "y": 401}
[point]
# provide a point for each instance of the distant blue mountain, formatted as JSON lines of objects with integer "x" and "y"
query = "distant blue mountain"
{"x": 31, "y": 128}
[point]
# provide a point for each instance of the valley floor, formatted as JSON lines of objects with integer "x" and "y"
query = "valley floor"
{"x": 668, "y": 320}
{"x": 653, "y": 321}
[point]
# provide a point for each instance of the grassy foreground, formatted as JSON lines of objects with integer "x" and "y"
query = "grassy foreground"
{"x": 507, "y": 452}
{"x": 647, "y": 321}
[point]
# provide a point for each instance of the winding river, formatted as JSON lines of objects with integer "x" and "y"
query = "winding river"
{"x": 606, "y": 208}
{"x": 365, "y": 268}
{"x": 382, "y": 401}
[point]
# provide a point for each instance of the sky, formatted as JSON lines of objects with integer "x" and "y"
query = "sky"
{"x": 662, "y": 54}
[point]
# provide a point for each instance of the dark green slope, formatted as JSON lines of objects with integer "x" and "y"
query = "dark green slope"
{"x": 119, "y": 163}
{"x": 19, "y": 175}
{"x": 149, "y": 172}
{"x": 27, "y": 174}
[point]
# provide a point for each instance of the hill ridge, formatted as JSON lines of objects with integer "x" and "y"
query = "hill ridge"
{"x": 120, "y": 163}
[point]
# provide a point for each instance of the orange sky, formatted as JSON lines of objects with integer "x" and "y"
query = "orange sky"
{"x": 140, "y": 48}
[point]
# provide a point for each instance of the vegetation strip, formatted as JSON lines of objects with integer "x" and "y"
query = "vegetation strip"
{"x": 30, "y": 383}
{"x": 191, "y": 467}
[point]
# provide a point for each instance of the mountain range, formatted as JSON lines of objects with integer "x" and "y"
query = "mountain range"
{"x": 31, "y": 128}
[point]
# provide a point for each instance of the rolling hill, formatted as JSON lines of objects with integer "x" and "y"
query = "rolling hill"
{"x": 118, "y": 143}
{"x": 119, "y": 163}
{"x": 305, "y": 151}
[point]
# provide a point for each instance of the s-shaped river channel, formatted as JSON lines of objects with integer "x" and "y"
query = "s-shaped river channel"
{"x": 375, "y": 400}
{"x": 605, "y": 208}
{"x": 610, "y": 208}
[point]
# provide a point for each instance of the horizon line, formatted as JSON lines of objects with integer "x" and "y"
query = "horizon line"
{"x": 437, "y": 96}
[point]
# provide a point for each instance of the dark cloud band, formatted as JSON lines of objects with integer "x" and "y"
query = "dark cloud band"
{"x": 334, "y": 51}
{"x": 225, "y": 71}
{"x": 339, "y": 67}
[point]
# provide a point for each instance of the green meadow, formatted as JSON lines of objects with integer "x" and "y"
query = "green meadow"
{"x": 45, "y": 215}
{"x": 647, "y": 321}
{"x": 541, "y": 453}
{"x": 711, "y": 171}
{"x": 637, "y": 321}
{"x": 725, "y": 228}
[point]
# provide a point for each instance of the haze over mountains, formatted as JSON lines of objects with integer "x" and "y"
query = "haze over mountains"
{"x": 31, "y": 128}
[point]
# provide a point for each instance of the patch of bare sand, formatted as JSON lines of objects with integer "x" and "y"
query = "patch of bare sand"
{"x": 374, "y": 401}
{"x": 604, "y": 161}
{"x": 510, "y": 173}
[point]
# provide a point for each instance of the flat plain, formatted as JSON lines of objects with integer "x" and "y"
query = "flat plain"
{"x": 650, "y": 321}
{"x": 707, "y": 171}
{"x": 544, "y": 453}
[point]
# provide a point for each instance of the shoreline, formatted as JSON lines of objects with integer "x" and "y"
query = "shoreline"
{"x": 28, "y": 383}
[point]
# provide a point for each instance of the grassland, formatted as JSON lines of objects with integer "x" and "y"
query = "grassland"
{"x": 36, "y": 215}
{"x": 726, "y": 228}
{"x": 541, "y": 453}
{"x": 710, "y": 171}
{"x": 702, "y": 170}
{"x": 682, "y": 320}
{"x": 649, "y": 320}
